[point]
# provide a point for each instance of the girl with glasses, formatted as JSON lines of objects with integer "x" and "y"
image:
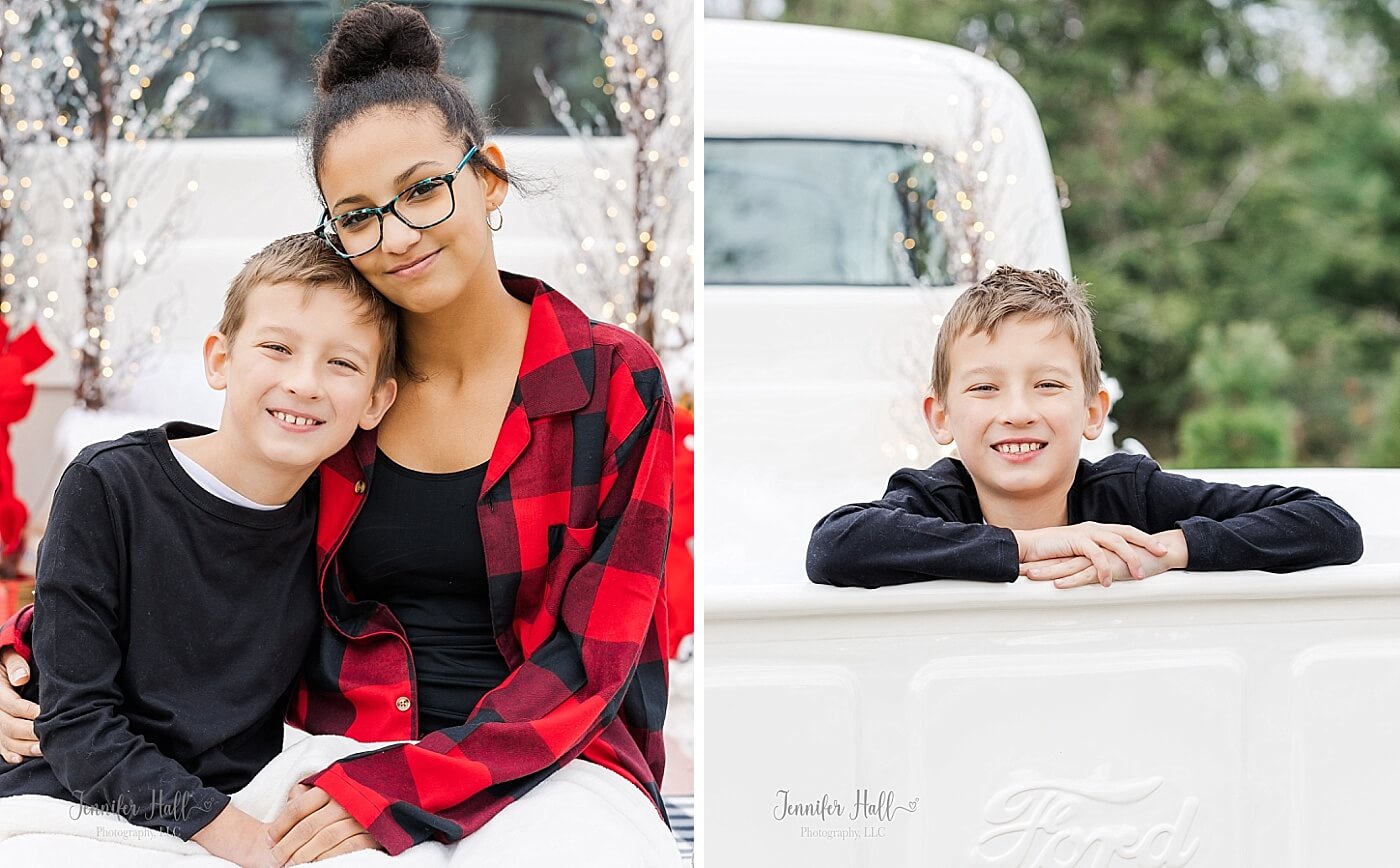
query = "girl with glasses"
{"x": 490, "y": 558}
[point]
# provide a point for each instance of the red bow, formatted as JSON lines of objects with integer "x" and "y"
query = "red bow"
{"x": 18, "y": 359}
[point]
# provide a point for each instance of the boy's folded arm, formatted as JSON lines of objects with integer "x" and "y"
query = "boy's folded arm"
{"x": 907, "y": 536}
{"x": 87, "y": 741}
{"x": 1261, "y": 527}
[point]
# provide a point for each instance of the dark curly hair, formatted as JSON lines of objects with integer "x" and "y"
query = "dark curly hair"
{"x": 381, "y": 54}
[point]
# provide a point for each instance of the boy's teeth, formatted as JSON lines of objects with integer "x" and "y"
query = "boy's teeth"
{"x": 1015, "y": 448}
{"x": 293, "y": 420}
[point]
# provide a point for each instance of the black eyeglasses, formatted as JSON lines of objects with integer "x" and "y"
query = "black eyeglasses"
{"x": 423, "y": 205}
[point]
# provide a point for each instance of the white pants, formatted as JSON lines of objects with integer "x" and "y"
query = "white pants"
{"x": 583, "y": 816}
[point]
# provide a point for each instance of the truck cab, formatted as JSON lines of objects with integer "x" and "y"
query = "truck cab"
{"x": 855, "y": 184}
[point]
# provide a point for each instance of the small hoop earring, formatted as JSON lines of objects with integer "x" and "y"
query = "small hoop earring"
{"x": 499, "y": 223}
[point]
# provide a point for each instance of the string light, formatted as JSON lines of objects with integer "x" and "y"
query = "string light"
{"x": 633, "y": 243}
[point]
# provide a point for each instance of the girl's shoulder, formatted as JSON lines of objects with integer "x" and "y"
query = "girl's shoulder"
{"x": 633, "y": 352}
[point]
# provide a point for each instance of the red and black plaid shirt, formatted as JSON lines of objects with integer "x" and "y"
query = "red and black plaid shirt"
{"x": 575, "y": 513}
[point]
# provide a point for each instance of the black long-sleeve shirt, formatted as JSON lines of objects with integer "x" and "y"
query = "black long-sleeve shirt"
{"x": 169, "y": 627}
{"x": 929, "y": 525}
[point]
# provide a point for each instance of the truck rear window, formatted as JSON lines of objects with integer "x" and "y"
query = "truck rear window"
{"x": 264, "y": 88}
{"x": 819, "y": 212}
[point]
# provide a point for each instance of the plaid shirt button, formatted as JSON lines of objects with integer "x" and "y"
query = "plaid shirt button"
{"x": 402, "y": 703}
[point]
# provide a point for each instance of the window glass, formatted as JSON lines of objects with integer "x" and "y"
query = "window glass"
{"x": 798, "y": 211}
{"x": 264, "y": 88}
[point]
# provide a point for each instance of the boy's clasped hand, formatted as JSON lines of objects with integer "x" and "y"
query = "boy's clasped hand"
{"x": 1089, "y": 553}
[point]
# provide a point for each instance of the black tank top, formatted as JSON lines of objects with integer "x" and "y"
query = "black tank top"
{"x": 416, "y": 547}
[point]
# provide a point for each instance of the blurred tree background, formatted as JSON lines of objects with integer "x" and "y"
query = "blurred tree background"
{"x": 1226, "y": 163}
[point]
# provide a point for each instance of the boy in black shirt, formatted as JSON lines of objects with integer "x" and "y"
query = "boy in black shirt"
{"x": 167, "y": 549}
{"x": 1016, "y": 386}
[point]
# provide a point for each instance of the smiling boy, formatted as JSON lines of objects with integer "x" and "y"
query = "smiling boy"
{"x": 1016, "y": 387}
{"x": 167, "y": 549}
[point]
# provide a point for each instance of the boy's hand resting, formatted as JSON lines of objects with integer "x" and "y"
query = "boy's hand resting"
{"x": 1073, "y": 572}
{"x": 239, "y": 838}
{"x": 1097, "y": 543}
{"x": 17, "y": 739}
{"x": 313, "y": 826}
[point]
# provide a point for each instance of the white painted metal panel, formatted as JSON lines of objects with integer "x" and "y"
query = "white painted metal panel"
{"x": 1230, "y": 720}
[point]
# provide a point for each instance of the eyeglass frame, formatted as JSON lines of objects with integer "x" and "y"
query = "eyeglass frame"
{"x": 322, "y": 231}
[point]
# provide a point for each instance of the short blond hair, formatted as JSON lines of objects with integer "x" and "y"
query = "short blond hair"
{"x": 307, "y": 261}
{"x": 1009, "y": 292}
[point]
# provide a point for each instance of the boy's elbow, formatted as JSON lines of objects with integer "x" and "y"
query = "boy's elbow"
{"x": 829, "y": 563}
{"x": 1353, "y": 545}
{"x": 1340, "y": 540}
{"x": 819, "y": 566}
{"x": 1344, "y": 537}
{"x": 822, "y": 571}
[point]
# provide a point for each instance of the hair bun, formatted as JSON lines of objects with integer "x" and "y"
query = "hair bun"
{"x": 374, "y": 37}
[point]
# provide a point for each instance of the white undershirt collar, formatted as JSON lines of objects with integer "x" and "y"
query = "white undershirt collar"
{"x": 212, "y": 484}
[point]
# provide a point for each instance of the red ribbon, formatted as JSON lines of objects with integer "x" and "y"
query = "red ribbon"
{"x": 18, "y": 359}
{"x": 680, "y": 563}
